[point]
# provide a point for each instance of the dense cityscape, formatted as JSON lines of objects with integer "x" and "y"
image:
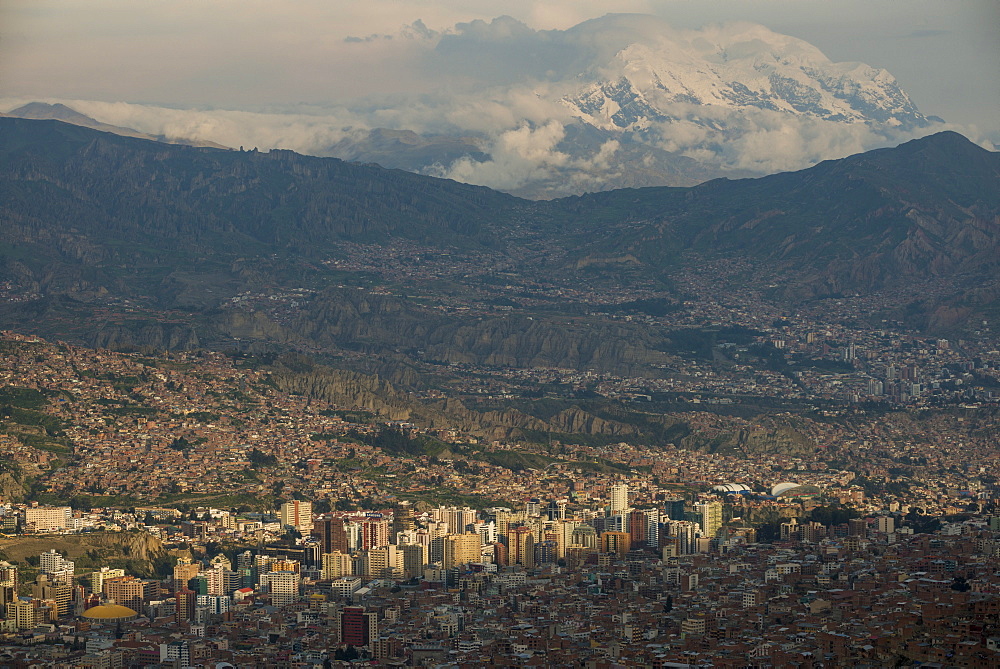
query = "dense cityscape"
{"x": 641, "y": 335}
{"x": 181, "y": 510}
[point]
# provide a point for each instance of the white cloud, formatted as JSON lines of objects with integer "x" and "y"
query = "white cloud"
{"x": 305, "y": 133}
{"x": 517, "y": 157}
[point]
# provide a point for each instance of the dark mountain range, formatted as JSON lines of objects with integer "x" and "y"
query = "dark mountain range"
{"x": 929, "y": 207}
{"x": 42, "y": 111}
{"x": 407, "y": 287}
{"x": 90, "y": 211}
{"x": 95, "y": 223}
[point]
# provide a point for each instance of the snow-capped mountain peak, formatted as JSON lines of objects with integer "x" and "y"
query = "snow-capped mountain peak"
{"x": 737, "y": 67}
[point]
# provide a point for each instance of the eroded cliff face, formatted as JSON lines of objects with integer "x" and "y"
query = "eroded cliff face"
{"x": 11, "y": 488}
{"x": 140, "y": 550}
{"x": 354, "y": 389}
{"x": 140, "y": 546}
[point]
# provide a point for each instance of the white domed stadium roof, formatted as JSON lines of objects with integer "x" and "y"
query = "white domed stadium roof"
{"x": 782, "y": 488}
{"x": 731, "y": 488}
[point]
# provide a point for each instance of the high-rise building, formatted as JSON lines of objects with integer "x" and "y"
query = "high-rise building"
{"x": 619, "y": 499}
{"x": 383, "y": 562}
{"x": 501, "y": 555}
{"x": 213, "y": 603}
{"x": 8, "y": 575}
{"x": 186, "y": 601}
{"x": 177, "y": 651}
{"x": 283, "y": 586}
{"x": 858, "y": 527}
{"x": 25, "y": 614}
{"x": 335, "y": 565}
{"x": 503, "y": 518}
{"x": 8, "y": 584}
{"x": 638, "y": 527}
{"x": 357, "y": 627}
{"x": 56, "y": 566}
{"x": 552, "y": 510}
{"x": 458, "y": 519}
{"x": 644, "y": 528}
{"x": 218, "y": 581}
{"x": 331, "y": 534}
{"x": 460, "y": 549}
{"x": 297, "y": 514}
{"x": 561, "y": 531}
{"x": 60, "y": 593}
{"x": 652, "y": 527}
{"x": 546, "y": 552}
{"x": 674, "y": 508}
{"x": 244, "y": 560}
{"x": 522, "y": 546}
{"x": 414, "y": 559}
{"x": 684, "y": 536}
{"x": 51, "y": 561}
{"x": 184, "y": 571}
{"x": 199, "y": 584}
{"x": 487, "y": 531}
{"x": 710, "y": 517}
{"x": 98, "y": 577}
{"x": 402, "y": 517}
{"x": 584, "y": 535}
{"x": 126, "y": 591}
{"x": 616, "y": 542}
{"x": 47, "y": 517}
{"x": 375, "y": 530}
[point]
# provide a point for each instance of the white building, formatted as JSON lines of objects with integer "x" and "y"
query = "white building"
{"x": 619, "y": 499}
{"x": 47, "y": 518}
{"x": 283, "y": 586}
{"x": 297, "y": 514}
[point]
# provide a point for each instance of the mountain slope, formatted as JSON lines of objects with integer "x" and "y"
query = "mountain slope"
{"x": 929, "y": 207}
{"x": 93, "y": 221}
{"x": 41, "y": 111}
{"x": 138, "y": 189}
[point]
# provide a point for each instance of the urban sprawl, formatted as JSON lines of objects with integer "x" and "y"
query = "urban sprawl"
{"x": 879, "y": 547}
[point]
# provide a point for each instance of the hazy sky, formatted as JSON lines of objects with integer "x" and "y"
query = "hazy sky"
{"x": 251, "y": 54}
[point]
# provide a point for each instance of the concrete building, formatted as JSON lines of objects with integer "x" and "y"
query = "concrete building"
{"x": 619, "y": 499}
{"x": 297, "y": 514}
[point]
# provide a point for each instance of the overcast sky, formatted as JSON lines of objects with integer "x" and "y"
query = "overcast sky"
{"x": 260, "y": 55}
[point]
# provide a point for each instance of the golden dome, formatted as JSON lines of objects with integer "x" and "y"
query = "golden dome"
{"x": 109, "y": 612}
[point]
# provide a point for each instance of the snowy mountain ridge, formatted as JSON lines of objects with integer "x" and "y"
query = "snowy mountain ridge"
{"x": 737, "y": 67}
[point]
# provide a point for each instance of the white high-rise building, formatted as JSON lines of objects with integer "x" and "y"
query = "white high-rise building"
{"x": 41, "y": 518}
{"x": 652, "y": 527}
{"x": 619, "y": 499}
{"x": 57, "y": 567}
{"x": 486, "y": 531}
{"x": 458, "y": 519}
{"x": 297, "y": 514}
{"x": 283, "y": 586}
